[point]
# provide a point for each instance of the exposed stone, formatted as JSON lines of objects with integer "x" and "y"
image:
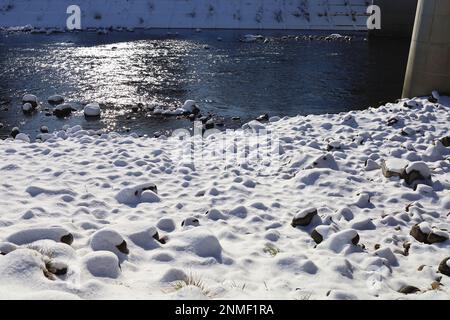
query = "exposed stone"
{"x": 444, "y": 267}
{"x": 263, "y": 117}
{"x": 436, "y": 238}
{"x": 209, "y": 124}
{"x": 304, "y": 218}
{"x": 445, "y": 141}
{"x": 123, "y": 247}
{"x": 317, "y": 237}
{"x": 409, "y": 290}
{"x": 14, "y": 132}
{"x": 62, "y": 110}
{"x": 67, "y": 239}
{"x": 55, "y": 99}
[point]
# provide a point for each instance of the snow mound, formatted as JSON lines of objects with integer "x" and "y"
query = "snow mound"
{"x": 102, "y": 264}
{"x": 340, "y": 241}
{"x": 201, "y": 242}
{"x": 138, "y": 194}
{"x": 109, "y": 240}
{"x": 30, "y": 235}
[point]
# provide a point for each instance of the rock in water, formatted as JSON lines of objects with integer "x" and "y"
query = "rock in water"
{"x": 55, "y": 99}
{"x": 190, "y": 106}
{"x": 417, "y": 172}
{"x": 31, "y": 99}
{"x": 209, "y": 124}
{"x": 63, "y": 110}
{"x": 92, "y": 110}
{"x": 27, "y": 108}
{"x": 317, "y": 237}
{"x": 14, "y": 132}
{"x": 444, "y": 267}
{"x": 264, "y": 117}
{"x": 304, "y": 217}
{"x": 108, "y": 240}
{"x": 393, "y": 167}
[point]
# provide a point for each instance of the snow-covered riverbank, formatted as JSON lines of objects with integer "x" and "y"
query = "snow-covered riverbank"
{"x": 91, "y": 217}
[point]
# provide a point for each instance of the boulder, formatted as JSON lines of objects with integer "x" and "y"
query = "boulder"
{"x": 393, "y": 167}
{"x": 263, "y": 117}
{"x": 304, "y": 217}
{"x": 190, "y": 106}
{"x": 191, "y": 221}
{"x": 23, "y": 137}
{"x": 444, "y": 267}
{"x": 31, "y": 99}
{"x": 63, "y": 110}
{"x": 417, "y": 172}
{"x": 55, "y": 99}
{"x": 423, "y": 232}
{"x": 92, "y": 110}
{"x": 108, "y": 240}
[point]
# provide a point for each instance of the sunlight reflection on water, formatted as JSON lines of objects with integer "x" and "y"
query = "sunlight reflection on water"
{"x": 228, "y": 78}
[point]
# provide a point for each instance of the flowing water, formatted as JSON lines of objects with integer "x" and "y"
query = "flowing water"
{"x": 228, "y": 78}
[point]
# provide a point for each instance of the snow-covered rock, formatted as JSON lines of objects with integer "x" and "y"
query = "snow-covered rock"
{"x": 190, "y": 106}
{"x": 103, "y": 264}
{"x": 27, "y": 107}
{"x": 22, "y": 137}
{"x": 304, "y": 217}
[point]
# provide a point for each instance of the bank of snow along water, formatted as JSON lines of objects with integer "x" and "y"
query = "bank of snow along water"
{"x": 349, "y": 206}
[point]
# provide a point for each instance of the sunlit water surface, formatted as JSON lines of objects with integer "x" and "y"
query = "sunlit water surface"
{"x": 228, "y": 78}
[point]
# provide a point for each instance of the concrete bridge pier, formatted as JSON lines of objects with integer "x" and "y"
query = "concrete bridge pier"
{"x": 429, "y": 58}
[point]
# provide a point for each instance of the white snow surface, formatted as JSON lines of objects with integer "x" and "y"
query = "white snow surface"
{"x": 97, "y": 189}
{"x": 23, "y": 15}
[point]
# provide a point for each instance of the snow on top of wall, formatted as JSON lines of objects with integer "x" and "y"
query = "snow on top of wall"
{"x": 236, "y": 14}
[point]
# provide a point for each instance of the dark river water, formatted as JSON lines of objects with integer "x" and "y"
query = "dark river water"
{"x": 228, "y": 78}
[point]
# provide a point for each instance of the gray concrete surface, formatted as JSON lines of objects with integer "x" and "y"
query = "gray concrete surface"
{"x": 429, "y": 59}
